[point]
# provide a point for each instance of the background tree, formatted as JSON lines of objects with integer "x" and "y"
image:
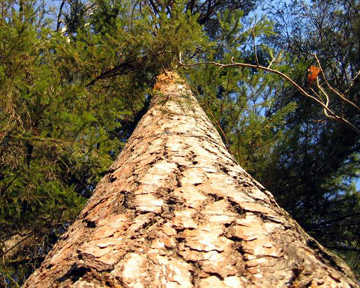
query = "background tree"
{"x": 102, "y": 60}
{"x": 322, "y": 159}
{"x": 68, "y": 98}
{"x": 57, "y": 137}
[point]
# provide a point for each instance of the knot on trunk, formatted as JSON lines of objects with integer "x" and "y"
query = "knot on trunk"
{"x": 167, "y": 78}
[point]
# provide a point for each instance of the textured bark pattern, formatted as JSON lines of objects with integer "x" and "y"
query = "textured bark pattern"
{"x": 176, "y": 210}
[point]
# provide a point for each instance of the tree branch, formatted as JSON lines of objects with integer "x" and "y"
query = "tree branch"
{"x": 333, "y": 89}
{"x": 190, "y": 6}
{"x": 125, "y": 66}
{"x": 329, "y": 113}
{"x": 153, "y": 6}
{"x": 59, "y": 15}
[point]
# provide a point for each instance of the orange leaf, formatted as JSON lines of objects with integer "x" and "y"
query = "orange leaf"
{"x": 313, "y": 74}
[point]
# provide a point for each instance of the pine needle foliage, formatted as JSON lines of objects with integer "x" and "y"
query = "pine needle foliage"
{"x": 75, "y": 79}
{"x": 70, "y": 97}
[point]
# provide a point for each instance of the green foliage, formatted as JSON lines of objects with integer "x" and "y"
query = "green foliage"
{"x": 69, "y": 101}
{"x": 281, "y": 138}
{"x": 56, "y": 136}
{"x": 314, "y": 181}
{"x": 239, "y": 103}
{"x": 41, "y": 149}
{"x": 71, "y": 96}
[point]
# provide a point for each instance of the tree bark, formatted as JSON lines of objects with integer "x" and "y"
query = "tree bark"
{"x": 176, "y": 210}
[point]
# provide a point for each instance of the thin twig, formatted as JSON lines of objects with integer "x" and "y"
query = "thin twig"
{"x": 272, "y": 61}
{"x": 255, "y": 52}
{"x": 333, "y": 89}
{"x": 357, "y": 75}
{"x": 330, "y": 114}
{"x": 326, "y": 96}
{"x": 59, "y": 15}
{"x": 18, "y": 243}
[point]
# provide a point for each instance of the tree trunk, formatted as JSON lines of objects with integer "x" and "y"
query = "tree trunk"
{"x": 176, "y": 210}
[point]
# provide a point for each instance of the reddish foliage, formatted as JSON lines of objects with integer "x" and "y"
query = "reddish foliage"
{"x": 313, "y": 73}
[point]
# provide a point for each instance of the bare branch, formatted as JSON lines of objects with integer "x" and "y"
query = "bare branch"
{"x": 329, "y": 113}
{"x": 272, "y": 61}
{"x": 59, "y": 15}
{"x": 357, "y": 75}
{"x": 255, "y": 51}
{"x": 333, "y": 89}
{"x": 119, "y": 69}
{"x": 190, "y": 6}
{"x": 153, "y": 6}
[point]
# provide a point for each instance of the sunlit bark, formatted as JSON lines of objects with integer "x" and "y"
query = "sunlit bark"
{"x": 176, "y": 210}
